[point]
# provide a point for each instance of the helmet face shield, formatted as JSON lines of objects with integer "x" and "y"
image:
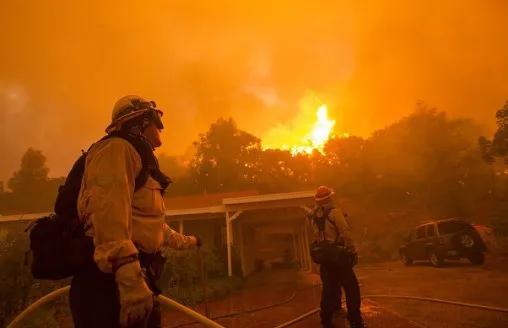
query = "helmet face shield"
{"x": 130, "y": 107}
{"x": 155, "y": 116}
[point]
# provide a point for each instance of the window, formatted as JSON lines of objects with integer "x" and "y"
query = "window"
{"x": 447, "y": 227}
{"x": 431, "y": 230}
{"x": 411, "y": 235}
{"x": 420, "y": 232}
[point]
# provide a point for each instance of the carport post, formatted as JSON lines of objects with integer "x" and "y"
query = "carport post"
{"x": 228, "y": 242}
{"x": 180, "y": 226}
{"x": 240, "y": 242}
{"x": 307, "y": 247}
{"x": 304, "y": 250}
{"x": 300, "y": 247}
{"x": 295, "y": 248}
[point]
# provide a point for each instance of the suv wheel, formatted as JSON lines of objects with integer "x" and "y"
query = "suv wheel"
{"x": 435, "y": 259}
{"x": 405, "y": 259}
{"x": 477, "y": 258}
{"x": 467, "y": 240}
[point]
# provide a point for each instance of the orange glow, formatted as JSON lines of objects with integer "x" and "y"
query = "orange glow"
{"x": 301, "y": 141}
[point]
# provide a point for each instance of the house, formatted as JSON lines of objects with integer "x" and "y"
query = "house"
{"x": 255, "y": 230}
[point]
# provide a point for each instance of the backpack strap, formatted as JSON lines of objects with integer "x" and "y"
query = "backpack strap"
{"x": 150, "y": 164}
{"x": 337, "y": 232}
{"x": 320, "y": 220}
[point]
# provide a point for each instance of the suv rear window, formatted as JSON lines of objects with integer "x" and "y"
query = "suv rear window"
{"x": 431, "y": 231}
{"x": 420, "y": 232}
{"x": 451, "y": 226}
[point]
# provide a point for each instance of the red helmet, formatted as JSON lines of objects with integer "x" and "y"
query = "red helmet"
{"x": 323, "y": 193}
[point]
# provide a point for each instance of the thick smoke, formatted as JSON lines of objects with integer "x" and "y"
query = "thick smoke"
{"x": 63, "y": 65}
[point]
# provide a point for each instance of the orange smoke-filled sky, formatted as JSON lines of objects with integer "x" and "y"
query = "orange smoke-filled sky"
{"x": 64, "y": 63}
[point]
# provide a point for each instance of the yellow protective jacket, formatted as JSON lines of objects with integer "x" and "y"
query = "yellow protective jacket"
{"x": 120, "y": 219}
{"x": 336, "y": 225}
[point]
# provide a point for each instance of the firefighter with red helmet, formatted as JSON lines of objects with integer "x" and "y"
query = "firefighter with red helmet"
{"x": 334, "y": 250}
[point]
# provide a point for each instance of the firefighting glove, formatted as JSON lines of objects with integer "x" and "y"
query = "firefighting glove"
{"x": 136, "y": 299}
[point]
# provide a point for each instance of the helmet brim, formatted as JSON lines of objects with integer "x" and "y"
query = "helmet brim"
{"x": 320, "y": 199}
{"x": 117, "y": 124}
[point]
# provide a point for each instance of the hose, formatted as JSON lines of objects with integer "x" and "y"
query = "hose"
{"x": 209, "y": 323}
{"x": 298, "y": 319}
{"x": 437, "y": 300}
{"x": 41, "y": 301}
{"x": 236, "y": 313}
{"x": 162, "y": 299}
{"x": 191, "y": 313}
{"x": 414, "y": 298}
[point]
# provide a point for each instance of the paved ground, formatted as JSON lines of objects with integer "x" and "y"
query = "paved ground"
{"x": 457, "y": 281}
{"x": 295, "y": 294}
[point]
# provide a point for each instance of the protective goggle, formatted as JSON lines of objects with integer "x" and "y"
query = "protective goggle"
{"x": 151, "y": 112}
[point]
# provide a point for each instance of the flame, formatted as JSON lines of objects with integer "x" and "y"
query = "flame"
{"x": 315, "y": 139}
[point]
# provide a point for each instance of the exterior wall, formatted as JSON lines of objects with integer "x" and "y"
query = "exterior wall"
{"x": 267, "y": 238}
{"x": 210, "y": 231}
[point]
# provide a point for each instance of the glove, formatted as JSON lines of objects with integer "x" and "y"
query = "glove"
{"x": 136, "y": 299}
{"x": 199, "y": 243}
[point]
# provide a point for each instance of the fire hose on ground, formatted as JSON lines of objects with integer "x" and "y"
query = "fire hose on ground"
{"x": 199, "y": 318}
{"x": 162, "y": 299}
{"x": 413, "y": 298}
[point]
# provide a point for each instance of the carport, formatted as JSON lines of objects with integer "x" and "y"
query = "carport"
{"x": 258, "y": 225}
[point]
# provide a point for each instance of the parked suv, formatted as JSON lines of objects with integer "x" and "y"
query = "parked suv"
{"x": 437, "y": 241}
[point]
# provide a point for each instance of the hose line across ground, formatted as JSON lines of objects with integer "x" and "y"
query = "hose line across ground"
{"x": 209, "y": 323}
{"x": 236, "y": 313}
{"x": 414, "y": 298}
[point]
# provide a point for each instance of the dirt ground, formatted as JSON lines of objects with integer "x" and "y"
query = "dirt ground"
{"x": 457, "y": 281}
{"x": 297, "y": 293}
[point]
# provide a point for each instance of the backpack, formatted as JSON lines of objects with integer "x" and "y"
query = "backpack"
{"x": 58, "y": 243}
{"x": 325, "y": 251}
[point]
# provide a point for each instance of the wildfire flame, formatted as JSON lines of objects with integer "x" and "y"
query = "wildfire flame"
{"x": 315, "y": 139}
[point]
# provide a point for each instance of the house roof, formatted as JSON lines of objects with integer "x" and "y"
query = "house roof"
{"x": 268, "y": 197}
{"x": 213, "y": 205}
{"x": 251, "y": 202}
{"x": 202, "y": 201}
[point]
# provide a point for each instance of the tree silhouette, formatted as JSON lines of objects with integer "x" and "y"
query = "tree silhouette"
{"x": 498, "y": 146}
{"x": 32, "y": 175}
{"x": 225, "y": 157}
{"x": 31, "y": 189}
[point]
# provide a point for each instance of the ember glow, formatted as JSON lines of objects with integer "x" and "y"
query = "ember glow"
{"x": 302, "y": 141}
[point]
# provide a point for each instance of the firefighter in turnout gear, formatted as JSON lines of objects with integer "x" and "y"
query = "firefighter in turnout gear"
{"x": 121, "y": 204}
{"x": 334, "y": 250}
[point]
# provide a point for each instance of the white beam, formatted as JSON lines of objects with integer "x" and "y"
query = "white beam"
{"x": 236, "y": 215}
{"x": 304, "y": 251}
{"x": 228, "y": 244}
{"x": 295, "y": 247}
{"x": 241, "y": 243}
{"x": 307, "y": 247}
{"x": 300, "y": 247}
